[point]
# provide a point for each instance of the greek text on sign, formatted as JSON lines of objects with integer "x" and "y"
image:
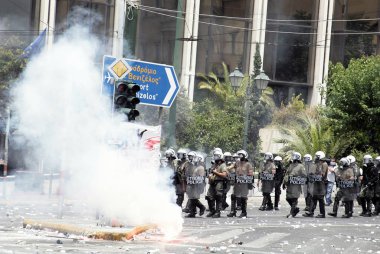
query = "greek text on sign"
{"x": 158, "y": 82}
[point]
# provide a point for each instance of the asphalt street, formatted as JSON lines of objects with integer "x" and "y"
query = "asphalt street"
{"x": 261, "y": 232}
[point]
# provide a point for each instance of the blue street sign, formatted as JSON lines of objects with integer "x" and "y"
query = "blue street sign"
{"x": 158, "y": 82}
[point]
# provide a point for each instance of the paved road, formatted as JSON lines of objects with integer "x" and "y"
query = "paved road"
{"x": 261, "y": 232}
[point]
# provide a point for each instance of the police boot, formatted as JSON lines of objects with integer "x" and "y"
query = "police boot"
{"x": 351, "y": 208}
{"x": 307, "y": 203}
{"x": 310, "y": 212}
{"x": 238, "y": 204}
{"x": 322, "y": 211}
{"x": 377, "y": 207}
{"x": 346, "y": 210}
{"x": 269, "y": 206}
{"x": 364, "y": 208}
{"x": 233, "y": 206}
{"x": 335, "y": 209}
{"x": 243, "y": 208}
{"x": 262, "y": 207}
{"x": 218, "y": 207}
{"x": 294, "y": 209}
{"x": 187, "y": 208}
{"x": 201, "y": 207}
{"x": 180, "y": 198}
{"x": 192, "y": 209}
{"x": 211, "y": 207}
{"x": 276, "y": 201}
{"x": 224, "y": 203}
{"x": 369, "y": 208}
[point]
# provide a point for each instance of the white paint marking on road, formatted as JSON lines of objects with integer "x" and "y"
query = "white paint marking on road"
{"x": 266, "y": 240}
{"x": 222, "y": 237}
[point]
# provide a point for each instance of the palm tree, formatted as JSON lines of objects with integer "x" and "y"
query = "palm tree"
{"x": 309, "y": 134}
{"x": 222, "y": 89}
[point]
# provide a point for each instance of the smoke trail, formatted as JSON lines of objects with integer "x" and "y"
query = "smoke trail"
{"x": 67, "y": 121}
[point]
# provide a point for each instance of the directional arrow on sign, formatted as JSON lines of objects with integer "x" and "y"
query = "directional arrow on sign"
{"x": 158, "y": 82}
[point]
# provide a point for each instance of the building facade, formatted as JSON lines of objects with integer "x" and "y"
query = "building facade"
{"x": 297, "y": 38}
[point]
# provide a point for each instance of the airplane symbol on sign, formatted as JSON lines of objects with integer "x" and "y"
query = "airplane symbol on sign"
{"x": 109, "y": 78}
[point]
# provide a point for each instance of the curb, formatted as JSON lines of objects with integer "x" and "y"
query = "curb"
{"x": 95, "y": 234}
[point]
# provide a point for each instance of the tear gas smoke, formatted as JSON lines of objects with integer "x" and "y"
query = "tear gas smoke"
{"x": 64, "y": 117}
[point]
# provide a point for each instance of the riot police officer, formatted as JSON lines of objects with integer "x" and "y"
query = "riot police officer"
{"x": 346, "y": 183}
{"x": 228, "y": 159}
{"x": 376, "y": 198}
{"x": 358, "y": 176}
{"x": 278, "y": 179}
{"x": 317, "y": 178}
{"x": 368, "y": 183}
{"x": 194, "y": 173}
{"x": 295, "y": 177}
{"x": 266, "y": 178}
{"x": 306, "y": 188}
{"x": 216, "y": 181}
{"x": 179, "y": 176}
{"x": 243, "y": 183}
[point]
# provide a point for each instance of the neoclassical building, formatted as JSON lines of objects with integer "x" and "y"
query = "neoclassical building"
{"x": 297, "y": 38}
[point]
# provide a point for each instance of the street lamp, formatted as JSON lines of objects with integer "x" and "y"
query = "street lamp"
{"x": 261, "y": 81}
{"x": 236, "y": 77}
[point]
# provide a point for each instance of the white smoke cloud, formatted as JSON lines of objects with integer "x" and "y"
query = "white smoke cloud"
{"x": 63, "y": 114}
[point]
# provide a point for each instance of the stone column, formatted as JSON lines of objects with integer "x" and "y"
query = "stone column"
{"x": 258, "y": 31}
{"x": 189, "y": 51}
{"x": 322, "y": 51}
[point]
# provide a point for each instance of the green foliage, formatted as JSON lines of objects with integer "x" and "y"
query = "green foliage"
{"x": 353, "y": 102}
{"x": 11, "y": 65}
{"x": 289, "y": 114}
{"x": 305, "y": 130}
{"x": 210, "y": 126}
{"x": 257, "y": 61}
{"x": 220, "y": 89}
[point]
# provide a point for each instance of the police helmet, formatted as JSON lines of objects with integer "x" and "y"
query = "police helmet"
{"x": 268, "y": 156}
{"x": 227, "y": 156}
{"x": 170, "y": 153}
{"x": 319, "y": 155}
{"x": 200, "y": 158}
{"x": 217, "y": 149}
{"x": 367, "y": 159}
{"x": 192, "y": 156}
{"x": 344, "y": 162}
{"x": 351, "y": 159}
{"x": 377, "y": 160}
{"x": 181, "y": 153}
{"x": 218, "y": 155}
{"x": 242, "y": 154}
{"x": 277, "y": 158}
{"x": 296, "y": 156}
{"x": 307, "y": 158}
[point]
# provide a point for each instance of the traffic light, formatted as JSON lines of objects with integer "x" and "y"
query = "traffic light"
{"x": 125, "y": 99}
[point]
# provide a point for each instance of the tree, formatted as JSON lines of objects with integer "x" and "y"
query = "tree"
{"x": 307, "y": 131}
{"x": 260, "y": 112}
{"x": 11, "y": 65}
{"x": 211, "y": 126}
{"x": 221, "y": 90}
{"x": 353, "y": 102}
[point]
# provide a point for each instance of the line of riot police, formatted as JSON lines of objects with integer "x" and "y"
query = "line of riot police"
{"x": 314, "y": 178}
